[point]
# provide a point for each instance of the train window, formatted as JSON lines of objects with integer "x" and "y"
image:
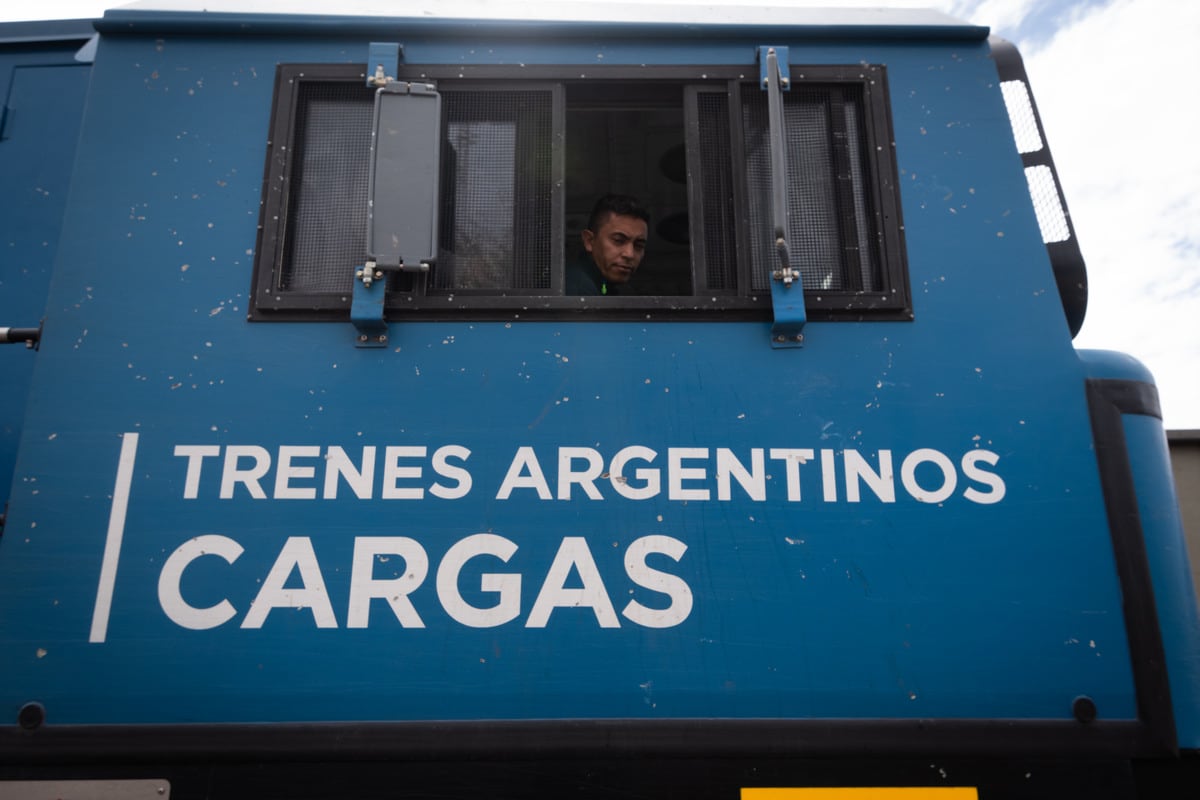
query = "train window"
{"x": 499, "y": 221}
{"x": 524, "y": 154}
{"x": 628, "y": 137}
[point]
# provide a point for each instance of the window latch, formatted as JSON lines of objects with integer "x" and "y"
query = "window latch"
{"x": 787, "y": 288}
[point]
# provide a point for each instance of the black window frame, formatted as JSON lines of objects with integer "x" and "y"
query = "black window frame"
{"x": 409, "y": 296}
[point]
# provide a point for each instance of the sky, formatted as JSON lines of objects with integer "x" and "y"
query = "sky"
{"x": 1110, "y": 79}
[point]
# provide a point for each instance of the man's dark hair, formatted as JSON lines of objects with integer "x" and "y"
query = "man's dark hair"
{"x": 622, "y": 205}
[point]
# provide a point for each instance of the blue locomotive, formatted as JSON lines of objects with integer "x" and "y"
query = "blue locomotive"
{"x": 322, "y": 478}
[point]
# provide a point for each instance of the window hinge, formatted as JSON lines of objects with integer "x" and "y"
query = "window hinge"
{"x": 383, "y": 62}
{"x": 787, "y": 288}
{"x": 366, "y": 307}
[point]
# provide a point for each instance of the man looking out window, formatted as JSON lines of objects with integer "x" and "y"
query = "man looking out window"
{"x": 614, "y": 243}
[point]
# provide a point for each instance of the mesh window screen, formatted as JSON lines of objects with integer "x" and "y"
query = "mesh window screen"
{"x": 326, "y": 220}
{"x": 1020, "y": 114}
{"x": 720, "y": 246}
{"x": 1043, "y": 188}
{"x": 496, "y": 190}
{"x": 831, "y": 226}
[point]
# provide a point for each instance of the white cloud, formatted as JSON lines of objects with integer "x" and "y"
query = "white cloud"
{"x": 56, "y": 9}
{"x": 1002, "y": 15}
{"x": 1112, "y": 91}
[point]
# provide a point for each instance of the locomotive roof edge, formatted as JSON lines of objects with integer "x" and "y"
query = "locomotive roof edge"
{"x": 370, "y": 16}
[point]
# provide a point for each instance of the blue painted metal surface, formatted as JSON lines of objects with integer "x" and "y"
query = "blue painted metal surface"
{"x": 1173, "y": 588}
{"x": 1166, "y": 547}
{"x": 366, "y": 310}
{"x": 213, "y": 521}
{"x": 42, "y": 106}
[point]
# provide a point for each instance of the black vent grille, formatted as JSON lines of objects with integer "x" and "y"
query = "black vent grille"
{"x": 717, "y": 192}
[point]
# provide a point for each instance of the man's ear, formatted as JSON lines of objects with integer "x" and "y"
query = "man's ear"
{"x": 588, "y": 236}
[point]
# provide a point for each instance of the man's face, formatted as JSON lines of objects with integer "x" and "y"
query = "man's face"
{"x": 617, "y": 246}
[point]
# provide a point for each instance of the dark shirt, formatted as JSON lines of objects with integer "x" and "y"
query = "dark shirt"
{"x": 584, "y": 278}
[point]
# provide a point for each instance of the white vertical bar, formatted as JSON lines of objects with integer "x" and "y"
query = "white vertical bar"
{"x": 112, "y": 544}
